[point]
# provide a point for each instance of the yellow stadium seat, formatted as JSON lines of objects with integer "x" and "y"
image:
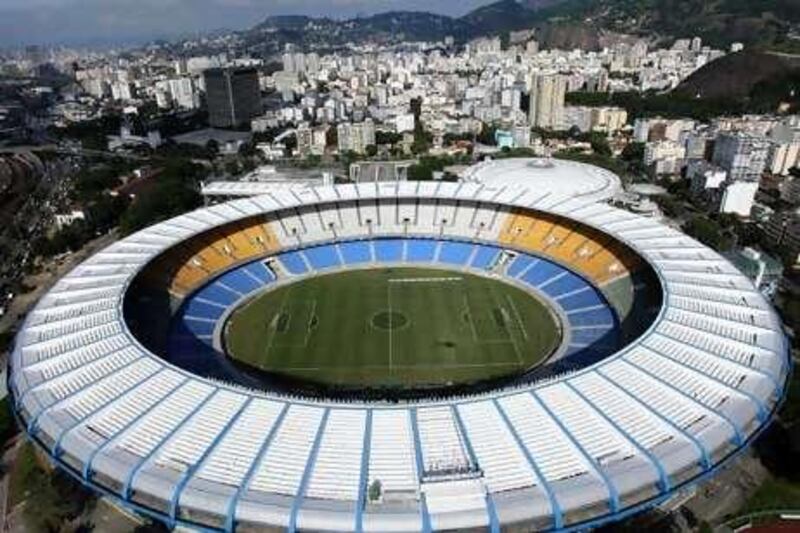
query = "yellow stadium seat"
{"x": 244, "y": 248}
{"x": 568, "y": 250}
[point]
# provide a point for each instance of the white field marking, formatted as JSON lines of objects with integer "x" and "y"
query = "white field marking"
{"x": 469, "y": 319}
{"x": 274, "y": 325}
{"x": 513, "y": 341}
{"x": 517, "y": 316}
{"x": 511, "y": 338}
{"x": 389, "y": 303}
{"x": 310, "y": 320}
{"x": 498, "y": 342}
{"x": 425, "y": 280}
{"x": 294, "y": 316}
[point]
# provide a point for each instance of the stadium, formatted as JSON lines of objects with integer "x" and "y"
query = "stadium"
{"x": 509, "y": 351}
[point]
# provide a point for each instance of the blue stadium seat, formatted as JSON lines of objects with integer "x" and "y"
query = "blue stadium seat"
{"x": 420, "y": 250}
{"x": 519, "y": 265}
{"x": 355, "y": 252}
{"x": 239, "y": 281}
{"x": 541, "y": 272}
{"x": 293, "y": 262}
{"x": 580, "y": 300}
{"x": 588, "y": 336}
{"x": 592, "y": 317}
{"x": 202, "y": 310}
{"x": 322, "y": 257}
{"x": 261, "y": 271}
{"x": 455, "y": 253}
{"x": 388, "y": 250}
{"x": 199, "y": 328}
{"x": 485, "y": 256}
{"x": 565, "y": 284}
{"x": 583, "y": 355}
{"x": 217, "y": 294}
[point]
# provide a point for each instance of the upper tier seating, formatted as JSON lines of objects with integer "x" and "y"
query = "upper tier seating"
{"x": 584, "y": 249}
{"x": 188, "y": 265}
{"x": 581, "y": 248}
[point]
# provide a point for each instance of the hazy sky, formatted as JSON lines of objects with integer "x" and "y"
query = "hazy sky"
{"x": 101, "y": 21}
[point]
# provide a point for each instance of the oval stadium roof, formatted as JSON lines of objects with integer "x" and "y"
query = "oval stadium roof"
{"x": 572, "y": 451}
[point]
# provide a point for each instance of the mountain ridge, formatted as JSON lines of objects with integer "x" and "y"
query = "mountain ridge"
{"x": 560, "y": 23}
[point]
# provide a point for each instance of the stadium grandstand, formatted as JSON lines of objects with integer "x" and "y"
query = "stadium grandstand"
{"x": 668, "y": 362}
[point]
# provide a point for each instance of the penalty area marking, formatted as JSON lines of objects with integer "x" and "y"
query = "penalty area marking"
{"x": 426, "y": 280}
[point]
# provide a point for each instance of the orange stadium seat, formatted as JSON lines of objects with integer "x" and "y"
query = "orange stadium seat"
{"x": 194, "y": 261}
{"x": 582, "y": 248}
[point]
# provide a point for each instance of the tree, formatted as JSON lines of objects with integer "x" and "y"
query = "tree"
{"x": 387, "y": 137}
{"x": 248, "y": 150}
{"x": 175, "y": 192}
{"x": 51, "y": 499}
{"x": 422, "y": 141}
{"x": 332, "y": 137}
{"x": 599, "y": 144}
{"x": 232, "y": 167}
{"x": 104, "y": 214}
{"x": 708, "y": 232}
{"x": 486, "y": 136}
{"x": 372, "y": 150}
{"x": 375, "y": 490}
{"x": 633, "y": 155}
{"x": 419, "y": 173}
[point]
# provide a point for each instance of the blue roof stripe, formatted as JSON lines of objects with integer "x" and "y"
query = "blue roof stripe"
{"x": 127, "y": 486}
{"x": 426, "y": 521}
{"x": 555, "y": 508}
{"x": 310, "y": 462}
{"x": 705, "y": 459}
{"x": 417, "y": 444}
{"x": 463, "y": 430}
{"x": 187, "y": 475}
{"x": 364, "y": 475}
{"x": 87, "y": 468}
{"x": 761, "y": 409}
{"x": 613, "y": 495}
{"x": 78, "y": 421}
{"x": 494, "y": 520}
{"x": 738, "y": 437}
{"x": 233, "y": 503}
{"x": 35, "y": 420}
{"x": 663, "y": 478}
{"x": 426, "y": 517}
{"x": 743, "y": 366}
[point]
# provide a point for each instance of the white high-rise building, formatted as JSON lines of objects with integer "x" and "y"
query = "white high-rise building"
{"x": 742, "y": 155}
{"x": 184, "y": 93}
{"x": 121, "y": 90}
{"x": 356, "y": 137}
{"x": 547, "y": 101}
{"x": 738, "y": 197}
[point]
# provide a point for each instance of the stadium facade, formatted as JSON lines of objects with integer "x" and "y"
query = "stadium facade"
{"x": 637, "y": 406}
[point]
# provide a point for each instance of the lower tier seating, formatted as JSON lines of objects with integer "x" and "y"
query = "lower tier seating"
{"x": 591, "y": 327}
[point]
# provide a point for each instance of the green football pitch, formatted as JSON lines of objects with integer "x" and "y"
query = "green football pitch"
{"x": 393, "y": 327}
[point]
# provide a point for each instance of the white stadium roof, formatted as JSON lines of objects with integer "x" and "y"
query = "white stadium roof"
{"x": 590, "y": 445}
{"x": 547, "y": 175}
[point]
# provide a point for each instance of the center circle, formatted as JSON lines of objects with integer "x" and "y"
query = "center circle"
{"x": 399, "y": 328}
{"x": 389, "y": 320}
